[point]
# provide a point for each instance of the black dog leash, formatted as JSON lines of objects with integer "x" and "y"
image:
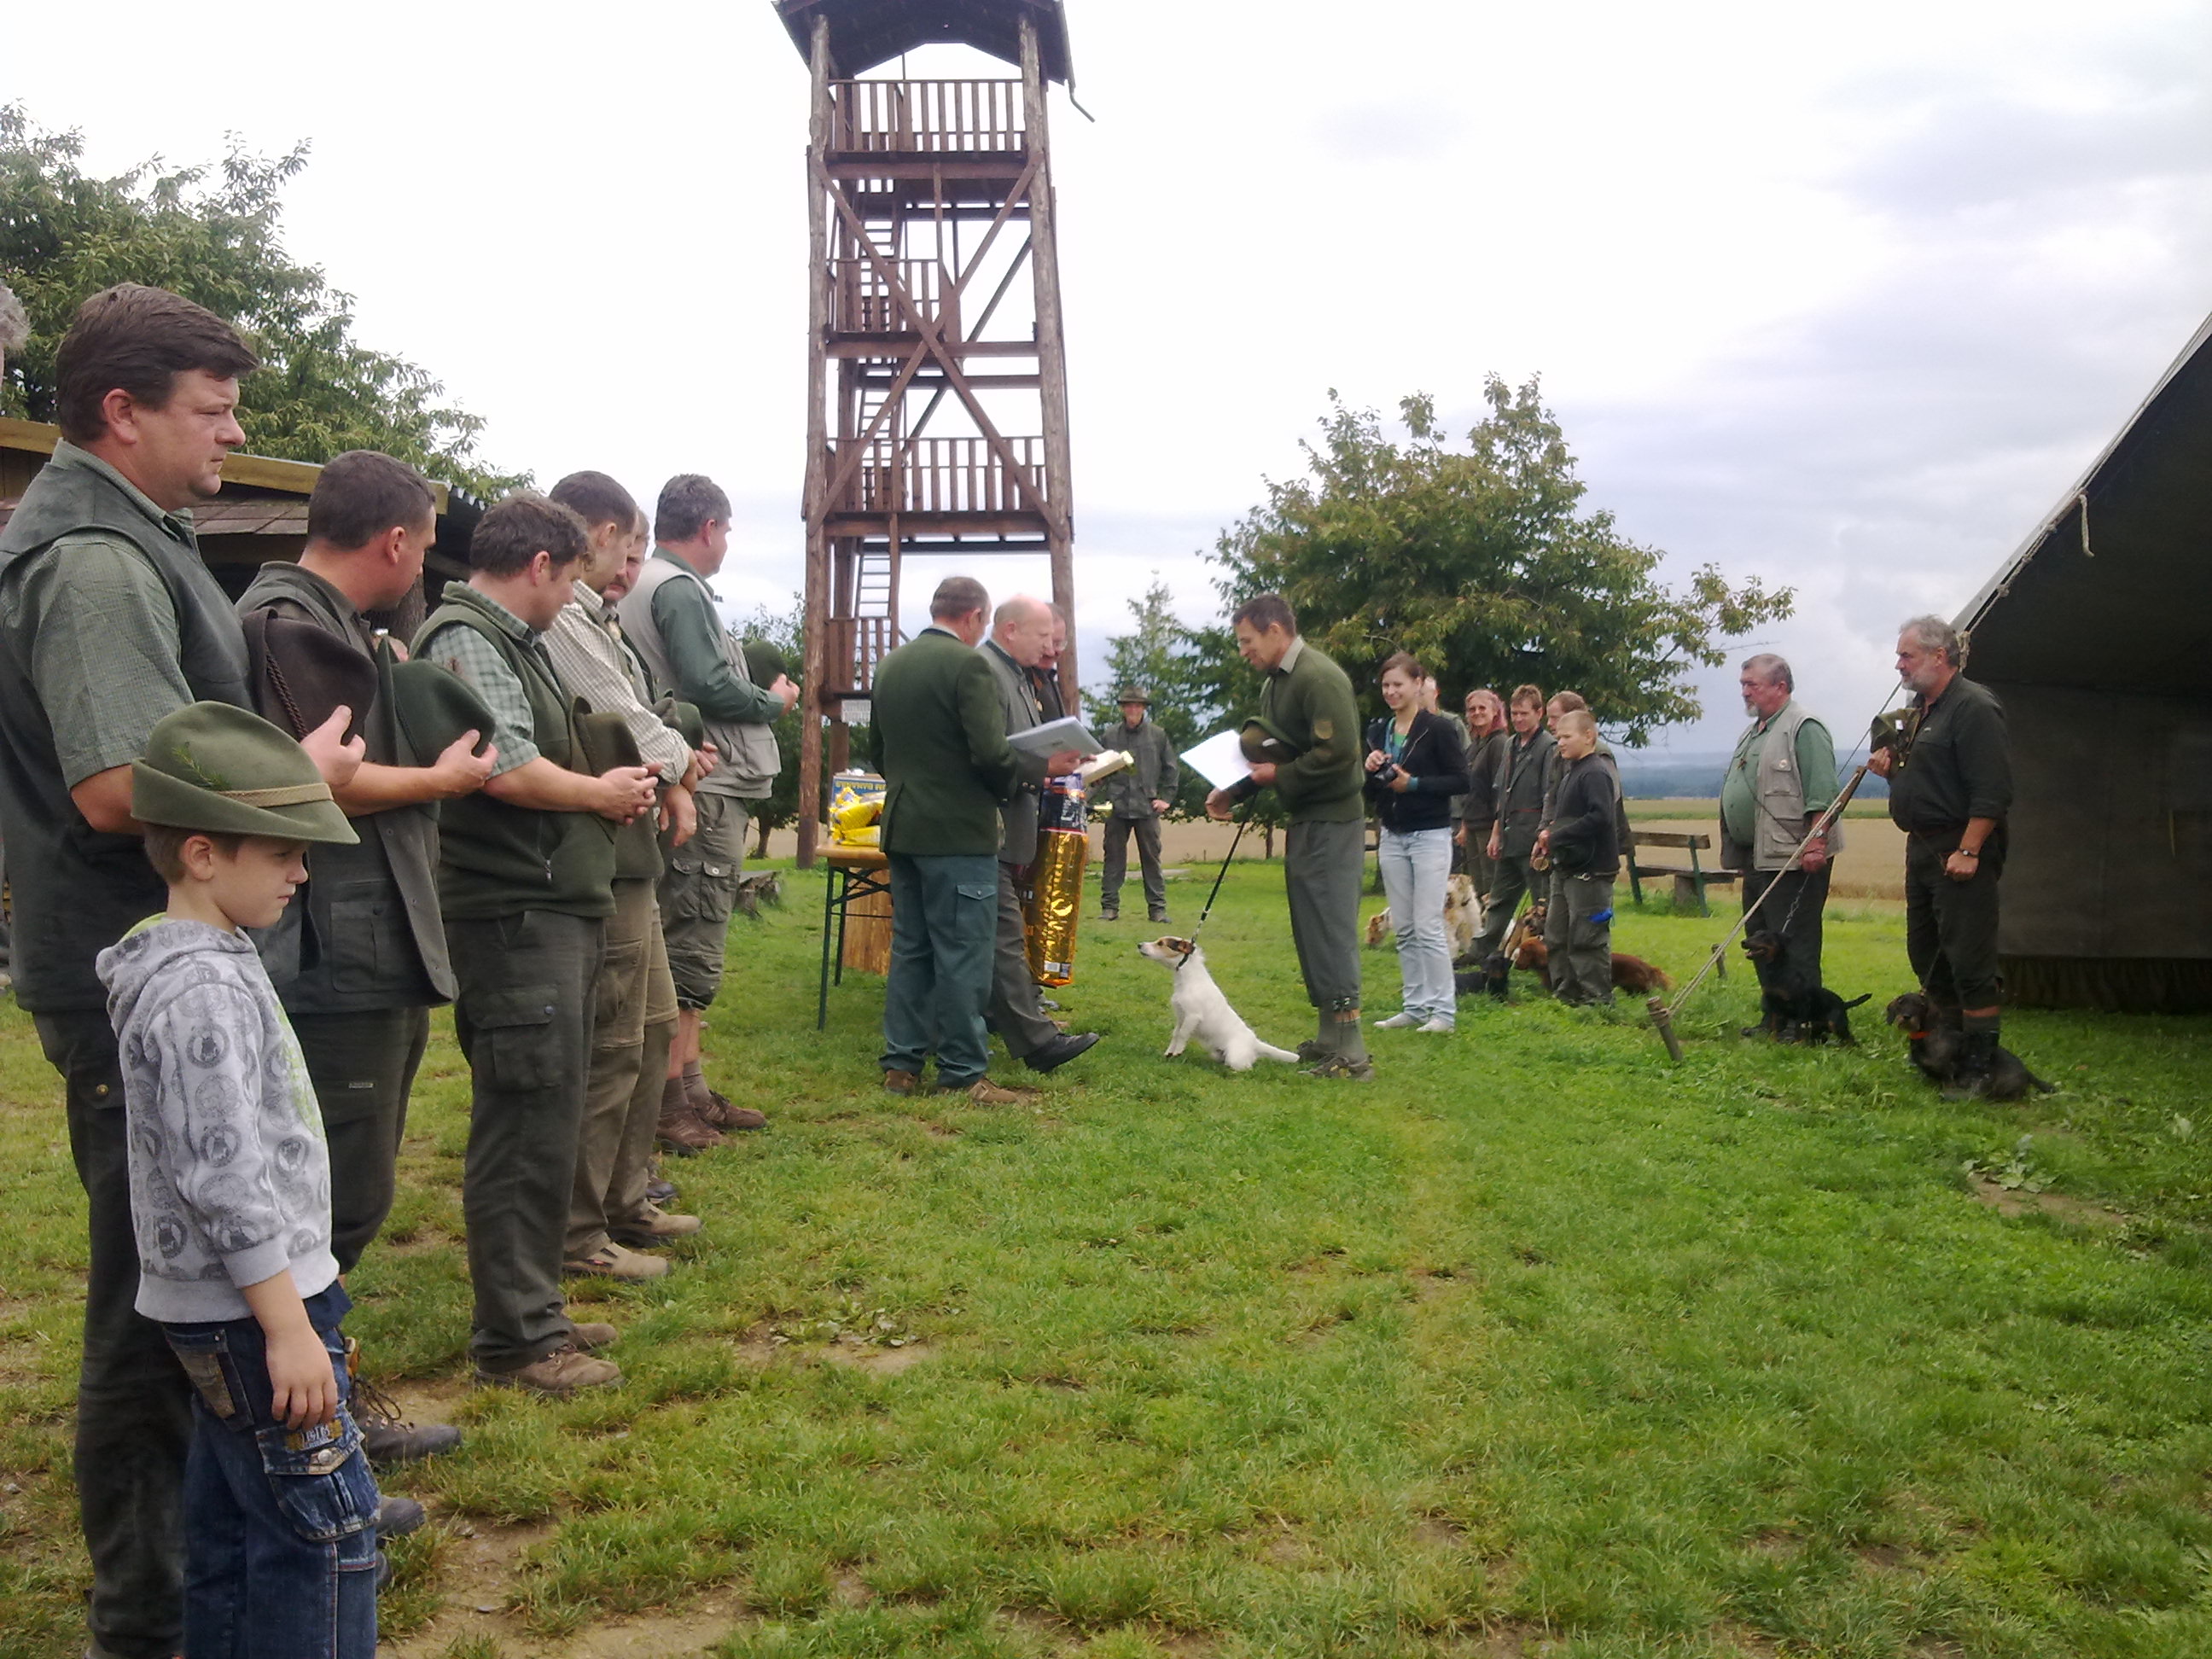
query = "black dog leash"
{"x": 1220, "y": 876}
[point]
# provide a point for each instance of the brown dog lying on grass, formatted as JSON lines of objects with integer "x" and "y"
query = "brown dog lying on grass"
{"x": 1936, "y": 1045}
{"x": 1524, "y": 948}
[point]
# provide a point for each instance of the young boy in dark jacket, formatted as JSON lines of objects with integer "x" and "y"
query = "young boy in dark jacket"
{"x": 230, "y": 1195}
{"x": 1586, "y": 848}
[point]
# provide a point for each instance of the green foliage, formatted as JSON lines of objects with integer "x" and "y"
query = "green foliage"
{"x": 1483, "y": 564}
{"x": 1166, "y": 657}
{"x": 212, "y": 233}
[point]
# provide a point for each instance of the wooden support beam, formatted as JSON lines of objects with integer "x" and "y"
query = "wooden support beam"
{"x": 1051, "y": 352}
{"x": 813, "y": 655}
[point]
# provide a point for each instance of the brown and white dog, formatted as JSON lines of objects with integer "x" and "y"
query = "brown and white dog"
{"x": 1202, "y": 1013}
{"x": 1524, "y": 949}
{"x": 1462, "y": 919}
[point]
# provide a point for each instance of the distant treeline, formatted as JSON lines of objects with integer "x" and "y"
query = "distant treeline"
{"x": 1693, "y": 777}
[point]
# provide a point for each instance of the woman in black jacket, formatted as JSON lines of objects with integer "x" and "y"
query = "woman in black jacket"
{"x": 1415, "y": 764}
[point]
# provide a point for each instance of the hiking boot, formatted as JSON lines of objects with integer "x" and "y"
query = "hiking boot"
{"x": 386, "y": 1438}
{"x": 1343, "y": 1065}
{"x": 655, "y": 1226}
{"x": 591, "y": 1336}
{"x": 984, "y": 1092}
{"x": 1050, "y": 1056}
{"x": 660, "y": 1191}
{"x": 720, "y": 1112}
{"x": 901, "y": 1082}
{"x": 397, "y": 1516}
{"x": 683, "y": 1133}
{"x": 563, "y": 1371}
{"x": 1105, "y": 915}
{"x": 611, "y": 1261}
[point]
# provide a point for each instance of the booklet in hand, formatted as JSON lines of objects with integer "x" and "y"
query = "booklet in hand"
{"x": 1056, "y": 737}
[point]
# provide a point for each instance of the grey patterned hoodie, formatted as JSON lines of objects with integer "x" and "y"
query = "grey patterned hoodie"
{"x": 230, "y": 1182}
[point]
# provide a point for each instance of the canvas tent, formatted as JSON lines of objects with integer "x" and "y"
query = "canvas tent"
{"x": 2096, "y": 635}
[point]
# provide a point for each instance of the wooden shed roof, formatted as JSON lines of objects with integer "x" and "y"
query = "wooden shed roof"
{"x": 865, "y": 32}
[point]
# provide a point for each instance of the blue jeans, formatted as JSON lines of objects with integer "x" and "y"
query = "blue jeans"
{"x": 1415, "y": 867}
{"x": 944, "y": 921}
{"x": 279, "y": 1525}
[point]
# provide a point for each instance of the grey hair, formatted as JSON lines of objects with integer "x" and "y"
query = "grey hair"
{"x": 14, "y": 325}
{"x": 1770, "y": 668}
{"x": 687, "y": 502}
{"x": 957, "y": 597}
{"x": 1934, "y": 633}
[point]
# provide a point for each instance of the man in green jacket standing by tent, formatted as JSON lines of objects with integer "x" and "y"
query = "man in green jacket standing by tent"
{"x": 1305, "y": 743}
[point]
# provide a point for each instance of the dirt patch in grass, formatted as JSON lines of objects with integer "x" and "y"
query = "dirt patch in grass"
{"x": 882, "y": 1362}
{"x": 2007, "y": 1200}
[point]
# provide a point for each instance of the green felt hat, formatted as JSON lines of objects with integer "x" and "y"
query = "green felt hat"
{"x": 434, "y": 706}
{"x": 1263, "y": 740}
{"x": 684, "y": 719}
{"x": 1134, "y": 694}
{"x": 219, "y": 769}
{"x": 764, "y": 664}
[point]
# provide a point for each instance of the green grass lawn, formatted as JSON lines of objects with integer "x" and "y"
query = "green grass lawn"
{"x": 1537, "y": 1343}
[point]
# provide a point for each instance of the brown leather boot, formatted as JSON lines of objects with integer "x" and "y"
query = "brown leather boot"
{"x": 720, "y": 1112}
{"x": 564, "y": 1370}
{"x": 683, "y": 1133}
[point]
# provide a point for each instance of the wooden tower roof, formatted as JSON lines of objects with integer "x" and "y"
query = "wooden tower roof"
{"x": 865, "y": 32}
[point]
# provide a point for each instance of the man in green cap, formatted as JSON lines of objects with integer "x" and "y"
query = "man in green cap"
{"x": 230, "y": 1192}
{"x": 1306, "y": 745}
{"x": 109, "y": 621}
{"x": 526, "y": 880}
{"x": 1135, "y": 797}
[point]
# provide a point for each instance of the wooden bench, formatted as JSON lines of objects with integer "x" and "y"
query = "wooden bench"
{"x": 1690, "y": 884}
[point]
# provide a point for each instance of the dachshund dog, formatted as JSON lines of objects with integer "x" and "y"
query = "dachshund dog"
{"x": 1524, "y": 949}
{"x": 1937, "y": 1044}
{"x": 1795, "y": 1006}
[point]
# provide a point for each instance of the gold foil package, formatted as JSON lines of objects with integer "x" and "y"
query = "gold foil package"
{"x": 856, "y": 802}
{"x": 1055, "y": 900}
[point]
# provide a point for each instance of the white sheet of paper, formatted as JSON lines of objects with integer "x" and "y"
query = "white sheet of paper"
{"x": 1055, "y": 738}
{"x": 1219, "y": 760}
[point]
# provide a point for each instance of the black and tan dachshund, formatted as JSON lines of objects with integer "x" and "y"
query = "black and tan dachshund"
{"x": 1795, "y": 1006}
{"x": 1937, "y": 1045}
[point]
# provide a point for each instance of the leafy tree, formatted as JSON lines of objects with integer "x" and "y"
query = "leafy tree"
{"x": 212, "y": 233}
{"x": 1160, "y": 654}
{"x": 1483, "y": 564}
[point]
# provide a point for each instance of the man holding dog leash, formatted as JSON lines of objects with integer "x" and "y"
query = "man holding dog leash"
{"x": 1781, "y": 778}
{"x": 1950, "y": 789}
{"x": 1305, "y": 744}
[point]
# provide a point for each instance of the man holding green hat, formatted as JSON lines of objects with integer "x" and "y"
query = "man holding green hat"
{"x": 1305, "y": 742}
{"x": 230, "y": 1192}
{"x": 526, "y": 880}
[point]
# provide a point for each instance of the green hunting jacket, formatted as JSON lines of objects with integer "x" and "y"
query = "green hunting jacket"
{"x": 1309, "y": 699}
{"x": 939, "y": 737}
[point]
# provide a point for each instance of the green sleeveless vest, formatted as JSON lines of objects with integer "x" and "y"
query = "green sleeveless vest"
{"x": 496, "y": 859}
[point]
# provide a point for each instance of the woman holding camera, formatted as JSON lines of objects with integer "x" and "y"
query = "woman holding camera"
{"x": 1414, "y": 766}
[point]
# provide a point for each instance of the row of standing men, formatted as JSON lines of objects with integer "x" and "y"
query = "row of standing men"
{"x": 550, "y": 790}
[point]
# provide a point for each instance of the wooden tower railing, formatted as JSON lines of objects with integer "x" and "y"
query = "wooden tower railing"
{"x": 933, "y": 327}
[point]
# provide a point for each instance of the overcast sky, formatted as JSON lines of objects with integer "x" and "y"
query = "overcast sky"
{"x": 1843, "y": 295}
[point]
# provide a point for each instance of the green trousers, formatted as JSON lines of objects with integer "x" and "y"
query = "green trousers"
{"x": 362, "y": 1066}
{"x": 632, "y": 1026}
{"x": 523, "y": 1017}
{"x": 1321, "y": 867}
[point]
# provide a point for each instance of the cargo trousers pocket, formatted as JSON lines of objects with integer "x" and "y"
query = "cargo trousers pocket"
{"x": 619, "y": 998}
{"x": 319, "y": 1478}
{"x": 516, "y": 1047}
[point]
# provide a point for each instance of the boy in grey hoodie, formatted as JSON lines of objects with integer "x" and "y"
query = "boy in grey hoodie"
{"x": 230, "y": 1195}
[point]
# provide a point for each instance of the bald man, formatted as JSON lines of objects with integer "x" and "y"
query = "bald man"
{"x": 1021, "y": 637}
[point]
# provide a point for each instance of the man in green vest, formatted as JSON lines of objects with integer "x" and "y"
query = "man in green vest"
{"x": 1781, "y": 778}
{"x": 940, "y": 739}
{"x": 109, "y": 622}
{"x": 368, "y": 960}
{"x": 526, "y": 880}
{"x": 671, "y": 616}
{"x": 1306, "y": 745}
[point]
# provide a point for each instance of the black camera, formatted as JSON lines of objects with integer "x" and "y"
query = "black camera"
{"x": 1388, "y": 773}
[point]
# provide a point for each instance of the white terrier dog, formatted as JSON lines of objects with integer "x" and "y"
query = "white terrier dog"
{"x": 1202, "y": 1012}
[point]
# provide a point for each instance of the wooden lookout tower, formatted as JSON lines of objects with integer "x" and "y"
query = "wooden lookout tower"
{"x": 937, "y": 385}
